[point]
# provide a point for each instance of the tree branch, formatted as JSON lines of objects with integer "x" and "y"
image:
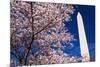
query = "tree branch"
{"x": 30, "y": 45}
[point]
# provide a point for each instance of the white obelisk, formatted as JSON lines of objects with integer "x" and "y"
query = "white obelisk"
{"x": 82, "y": 37}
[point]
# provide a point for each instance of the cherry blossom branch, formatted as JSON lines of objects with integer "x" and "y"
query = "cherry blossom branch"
{"x": 29, "y": 47}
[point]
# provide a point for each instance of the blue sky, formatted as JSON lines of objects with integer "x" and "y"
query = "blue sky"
{"x": 88, "y": 15}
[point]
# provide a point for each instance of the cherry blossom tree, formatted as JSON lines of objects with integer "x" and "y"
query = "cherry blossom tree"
{"x": 38, "y": 31}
